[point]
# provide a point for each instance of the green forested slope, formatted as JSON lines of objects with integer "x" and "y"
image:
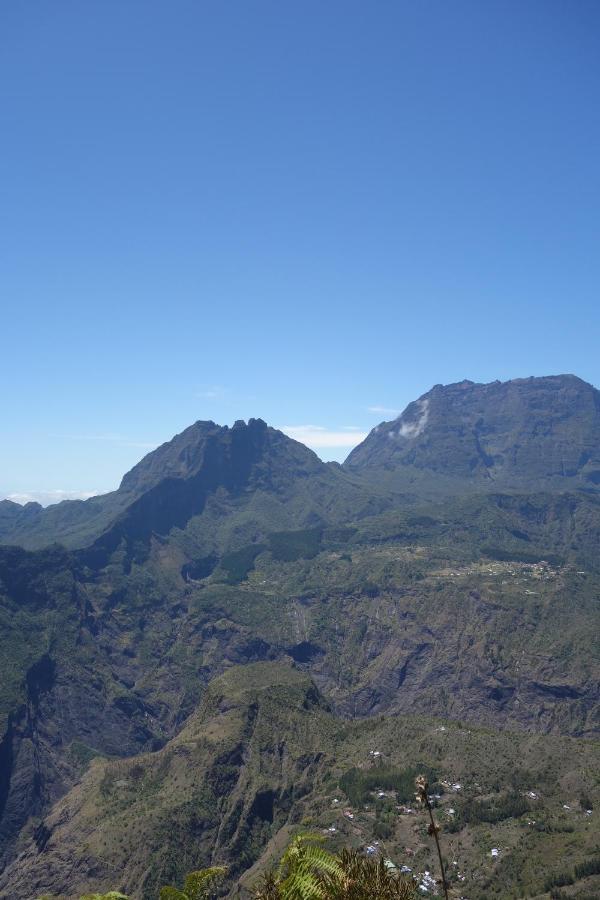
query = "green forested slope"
{"x": 264, "y": 757}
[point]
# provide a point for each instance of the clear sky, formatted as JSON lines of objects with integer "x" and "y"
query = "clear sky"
{"x": 305, "y": 211}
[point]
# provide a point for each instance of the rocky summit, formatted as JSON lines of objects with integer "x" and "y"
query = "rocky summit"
{"x": 242, "y": 641}
{"x": 526, "y": 434}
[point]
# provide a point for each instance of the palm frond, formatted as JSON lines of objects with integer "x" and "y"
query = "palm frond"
{"x": 301, "y": 885}
{"x": 317, "y": 858}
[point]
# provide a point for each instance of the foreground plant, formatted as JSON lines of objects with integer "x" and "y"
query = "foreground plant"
{"x": 197, "y": 885}
{"x": 298, "y": 876}
{"x": 309, "y": 872}
{"x": 433, "y": 829}
{"x": 362, "y": 878}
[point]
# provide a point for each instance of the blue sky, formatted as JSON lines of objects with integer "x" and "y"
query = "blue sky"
{"x": 309, "y": 212}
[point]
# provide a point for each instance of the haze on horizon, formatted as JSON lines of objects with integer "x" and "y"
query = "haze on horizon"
{"x": 309, "y": 215}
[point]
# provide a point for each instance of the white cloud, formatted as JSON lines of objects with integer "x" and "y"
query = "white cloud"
{"x": 384, "y": 411}
{"x": 415, "y": 428}
{"x": 315, "y": 436}
{"x": 47, "y": 498}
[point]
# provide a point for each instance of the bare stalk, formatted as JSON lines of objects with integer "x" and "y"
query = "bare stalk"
{"x": 433, "y": 828}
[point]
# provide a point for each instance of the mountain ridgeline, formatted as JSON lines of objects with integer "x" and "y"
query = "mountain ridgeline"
{"x": 528, "y": 434}
{"x": 238, "y": 600}
{"x": 175, "y": 482}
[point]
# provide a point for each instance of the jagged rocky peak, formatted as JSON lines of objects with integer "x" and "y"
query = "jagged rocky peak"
{"x": 207, "y": 444}
{"x": 526, "y": 431}
{"x": 171, "y": 483}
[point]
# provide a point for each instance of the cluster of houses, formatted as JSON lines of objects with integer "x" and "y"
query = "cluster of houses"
{"x": 425, "y": 881}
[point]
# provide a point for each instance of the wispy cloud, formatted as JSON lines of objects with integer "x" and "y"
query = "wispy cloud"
{"x": 47, "y": 498}
{"x": 315, "y": 436}
{"x": 214, "y": 392}
{"x": 384, "y": 411}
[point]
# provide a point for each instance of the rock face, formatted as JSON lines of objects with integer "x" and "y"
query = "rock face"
{"x": 526, "y": 434}
{"x": 235, "y": 455}
{"x": 231, "y": 777}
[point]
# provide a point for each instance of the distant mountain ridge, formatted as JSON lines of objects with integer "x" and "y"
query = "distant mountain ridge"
{"x": 529, "y": 434}
{"x": 526, "y": 434}
{"x": 171, "y": 485}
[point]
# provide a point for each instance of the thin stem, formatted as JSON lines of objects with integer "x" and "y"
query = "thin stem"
{"x": 434, "y": 831}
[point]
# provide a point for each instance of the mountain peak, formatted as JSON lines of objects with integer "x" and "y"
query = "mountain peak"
{"x": 185, "y": 454}
{"x": 537, "y": 431}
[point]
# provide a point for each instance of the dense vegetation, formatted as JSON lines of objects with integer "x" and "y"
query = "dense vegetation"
{"x": 359, "y": 784}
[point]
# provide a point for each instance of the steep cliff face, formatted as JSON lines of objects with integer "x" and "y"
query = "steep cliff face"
{"x": 248, "y": 455}
{"x": 60, "y": 696}
{"x": 236, "y": 773}
{"x": 525, "y": 434}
